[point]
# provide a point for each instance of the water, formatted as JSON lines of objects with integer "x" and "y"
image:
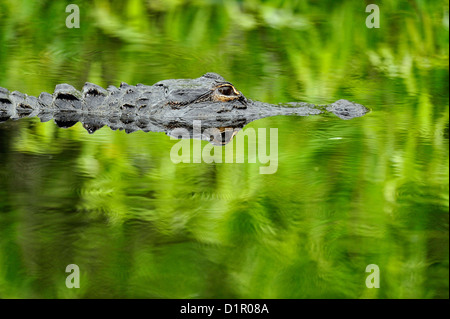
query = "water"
{"x": 346, "y": 194}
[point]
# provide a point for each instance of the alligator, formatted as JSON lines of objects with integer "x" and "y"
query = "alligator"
{"x": 163, "y": 107}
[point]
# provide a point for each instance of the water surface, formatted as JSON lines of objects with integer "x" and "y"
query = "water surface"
{"x": 346, "y": 194}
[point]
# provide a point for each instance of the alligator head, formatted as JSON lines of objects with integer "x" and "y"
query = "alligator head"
{"x": 210, "y": 88}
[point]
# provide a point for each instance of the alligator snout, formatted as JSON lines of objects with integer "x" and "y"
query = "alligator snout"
{"x": 347, "y": 110}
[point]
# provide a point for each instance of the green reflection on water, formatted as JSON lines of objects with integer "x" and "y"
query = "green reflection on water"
{"x": 373, "y": 190}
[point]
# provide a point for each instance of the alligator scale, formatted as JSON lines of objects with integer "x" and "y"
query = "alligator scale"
{"x": 162, "y": 107}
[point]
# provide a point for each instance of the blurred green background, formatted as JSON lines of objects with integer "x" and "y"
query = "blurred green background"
{"x": 373, "y": 190}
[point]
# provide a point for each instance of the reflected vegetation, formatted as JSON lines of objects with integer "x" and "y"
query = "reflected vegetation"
{"x": 373, "y": 190}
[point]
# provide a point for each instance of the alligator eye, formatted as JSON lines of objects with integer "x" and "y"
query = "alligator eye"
{"x": 226, "y": 93}
{"x": 226, "y": 90}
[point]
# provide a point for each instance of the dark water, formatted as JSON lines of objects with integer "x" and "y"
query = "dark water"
{"x": 346, "y": 194}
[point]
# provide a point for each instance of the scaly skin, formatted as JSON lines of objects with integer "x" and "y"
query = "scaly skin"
{"x": 162, "y": 107}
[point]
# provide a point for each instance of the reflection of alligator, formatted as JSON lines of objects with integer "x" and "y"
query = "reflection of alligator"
{"x": 162, "y": 107}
